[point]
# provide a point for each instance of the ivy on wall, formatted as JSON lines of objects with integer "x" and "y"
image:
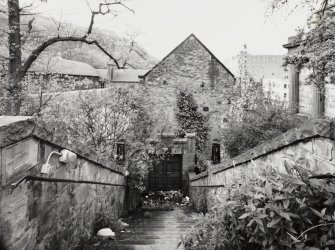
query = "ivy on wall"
{"x": 191, "y": 120}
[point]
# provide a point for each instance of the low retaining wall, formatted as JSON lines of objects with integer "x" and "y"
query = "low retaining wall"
{"x": 52, "y": 215}
{"x": 312, "y": 144}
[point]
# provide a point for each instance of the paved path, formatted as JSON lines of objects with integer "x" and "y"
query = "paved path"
{"x": 162, "y": 230}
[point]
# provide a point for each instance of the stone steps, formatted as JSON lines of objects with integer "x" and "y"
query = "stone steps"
{"x": 162, "y": 231}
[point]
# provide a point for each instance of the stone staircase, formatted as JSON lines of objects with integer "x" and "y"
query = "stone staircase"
{"x": 163, "y": 230}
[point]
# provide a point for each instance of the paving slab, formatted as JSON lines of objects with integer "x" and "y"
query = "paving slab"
{"x": 162, "y": 230}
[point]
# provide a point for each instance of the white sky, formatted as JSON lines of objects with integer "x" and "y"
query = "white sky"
{"x": 222, "y": 25}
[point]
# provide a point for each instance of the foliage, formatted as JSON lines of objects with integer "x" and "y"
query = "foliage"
{"x": 138, "y": 165}
{"x": 201, "y": 164}
{"x": 317, "y": 50}
{"x": 25, "y": 43}
{"x": 251, "y": 128}
{"x": 102, "y": 118}
{"x": 105, "y": 219}
{"x": 253, "y": 118}
{"x": 314, "y": 6}
{"x": 200, "y": 203}
{"x": 270, "y": 211}
{"x": 164, "y": 200}
{"x": 191, "y": 120}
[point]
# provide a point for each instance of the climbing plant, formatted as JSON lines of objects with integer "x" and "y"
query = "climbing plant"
{"x": 191, "y": 120}
{"x": 316, "y": 50}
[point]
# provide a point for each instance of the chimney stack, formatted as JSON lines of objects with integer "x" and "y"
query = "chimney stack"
{"x": 110, "y": 71}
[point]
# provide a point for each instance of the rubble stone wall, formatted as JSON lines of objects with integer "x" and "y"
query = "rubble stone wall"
{"x": 54, "y": 215}
{"x": 311, "y": 145}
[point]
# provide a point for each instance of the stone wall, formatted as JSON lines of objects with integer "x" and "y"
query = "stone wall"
{"x": 312, "y": 144}
{"x": 53, "y": 215}
{"x": 191, "y": 65}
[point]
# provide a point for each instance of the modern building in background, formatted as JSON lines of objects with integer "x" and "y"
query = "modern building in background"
{"x": 268, "y": 71}
{"x": 266, "y": 66}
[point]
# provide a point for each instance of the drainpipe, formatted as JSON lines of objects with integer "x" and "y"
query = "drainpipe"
{"x": 110, "y": 72}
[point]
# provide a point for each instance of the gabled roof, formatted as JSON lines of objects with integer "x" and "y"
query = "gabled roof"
{"x": 210, "y": 52}
{"x": 58, "y": 65}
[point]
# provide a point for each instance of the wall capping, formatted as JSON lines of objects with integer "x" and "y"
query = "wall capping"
{"x": 199, "y": 176}
{"x": 313, "y": 128}
{"x": 310, "y": 129}
{"x": 17, "y": 131}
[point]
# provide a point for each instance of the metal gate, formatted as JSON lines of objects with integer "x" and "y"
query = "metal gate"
{"x": 166, "y": 175}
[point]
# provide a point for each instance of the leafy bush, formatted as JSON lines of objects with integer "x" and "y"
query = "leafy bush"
{"x": 164, "y": 200}
{"x": 254, "y": 117}
{"x": 265, "y": 122}
{"x": 272, "y": 211}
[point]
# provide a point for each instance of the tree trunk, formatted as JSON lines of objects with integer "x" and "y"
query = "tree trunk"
{"x": 15, "y": 61}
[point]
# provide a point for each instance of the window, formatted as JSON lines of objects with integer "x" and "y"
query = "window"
{"x": 120, "y": 152}
{"x": 285, "y": 95}
{"x": 216, "y": 153}
{"x": 165, "y": 82}
{"x": 285, "y": 86}
{"x": 205, "y": 109}
{"x": 102, "y": 85}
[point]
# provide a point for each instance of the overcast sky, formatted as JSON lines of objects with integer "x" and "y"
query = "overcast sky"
{"x": 222, "y": 25}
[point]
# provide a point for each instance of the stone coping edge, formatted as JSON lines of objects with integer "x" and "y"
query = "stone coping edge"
{"x": 199, "y": 176}
{"x": 313, "y": 128}
{"x": 17, "y": 131}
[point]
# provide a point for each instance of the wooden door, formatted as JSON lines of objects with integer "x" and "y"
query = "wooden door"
{"x": 167, "y": 174}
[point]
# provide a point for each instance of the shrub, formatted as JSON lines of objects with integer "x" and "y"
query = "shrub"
{"x": 250, "y": 128}
{"x": 272, "y": 211}
{"x": 163, "y": 200}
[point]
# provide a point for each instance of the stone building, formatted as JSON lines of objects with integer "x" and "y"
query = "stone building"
{"x": 78, "y": 74}
{"x": 112, "y": 76}
{"x": 193, "y": 66}
{"x": 266, "y": 67}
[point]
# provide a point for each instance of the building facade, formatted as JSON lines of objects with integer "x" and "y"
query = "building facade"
{"x": 192, "y": 66}
{"x": 266, "y": 67}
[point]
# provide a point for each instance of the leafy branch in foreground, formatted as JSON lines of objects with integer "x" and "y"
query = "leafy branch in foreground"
{"x": 271, "y": 211}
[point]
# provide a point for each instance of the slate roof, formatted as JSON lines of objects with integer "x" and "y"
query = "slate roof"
{"x": 58, "y": 65}
{"x": 210, "y": 52}
{"x": 124, "y": 75}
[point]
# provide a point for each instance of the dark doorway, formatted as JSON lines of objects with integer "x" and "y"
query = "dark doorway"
{"x": 166, "y": 174}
